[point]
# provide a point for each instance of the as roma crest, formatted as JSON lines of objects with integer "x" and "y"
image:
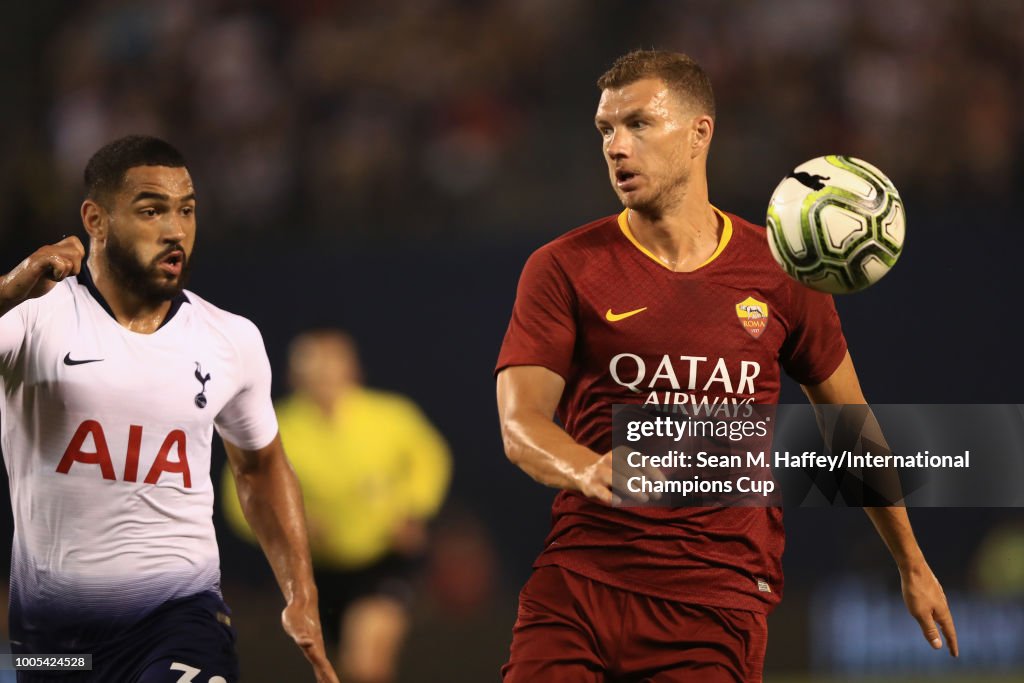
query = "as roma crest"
{"x": 753, "y": 315}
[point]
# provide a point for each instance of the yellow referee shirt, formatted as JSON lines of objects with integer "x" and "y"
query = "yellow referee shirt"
{"x": 372, "y": 465}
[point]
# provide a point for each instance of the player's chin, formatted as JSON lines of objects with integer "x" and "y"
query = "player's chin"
{"x": 167, "y": 285}
{"x": 635, "y": 201}
{"x": 628, "y": 199}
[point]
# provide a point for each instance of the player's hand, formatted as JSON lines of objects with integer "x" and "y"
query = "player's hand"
{"x": 301, "y": 621}
{"x": 38, "y": 274}
{"x": 595, "y": 481}
{"x": 927, "y": 604}
{"x": 598, "y": 480}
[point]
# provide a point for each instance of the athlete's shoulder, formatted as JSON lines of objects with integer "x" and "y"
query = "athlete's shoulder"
{"x": 54, "y": 305}
{"x": 212, "y": 313}
{"x": 746, "y": 230}
{"x": 593, "y": 236}
{"x": 61, "y": 294}
{"x": 237, "y": 329}
{"x": 751, "y": 240}
{"x": 575, "y": 249}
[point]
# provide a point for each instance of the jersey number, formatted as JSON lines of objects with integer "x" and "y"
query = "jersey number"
{"x": 190, "y": 673}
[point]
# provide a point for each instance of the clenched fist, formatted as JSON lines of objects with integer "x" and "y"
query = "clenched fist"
{"x": 37, "y": 274}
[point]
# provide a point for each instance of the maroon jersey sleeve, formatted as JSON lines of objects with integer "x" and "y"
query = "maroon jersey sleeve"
{"x": 815, "y": 345}
{"x": 542, "y": 330}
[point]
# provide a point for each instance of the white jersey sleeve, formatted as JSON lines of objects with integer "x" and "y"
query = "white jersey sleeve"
{"x": 13, "y": 328}
{"x": 248, "y": 420}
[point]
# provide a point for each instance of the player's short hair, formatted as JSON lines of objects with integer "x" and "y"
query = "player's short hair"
{"x": 106, "y": 170}
{"x": 679, "y": 72}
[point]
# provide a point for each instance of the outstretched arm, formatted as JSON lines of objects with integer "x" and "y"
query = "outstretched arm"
{"x": 269, "y": 493}
{"x": 922, "y": 592}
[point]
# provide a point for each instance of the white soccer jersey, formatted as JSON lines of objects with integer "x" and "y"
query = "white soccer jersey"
{"x": 106, "y": 435}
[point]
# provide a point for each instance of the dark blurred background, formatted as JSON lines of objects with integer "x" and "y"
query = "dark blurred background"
{"x": 387, "y": 167}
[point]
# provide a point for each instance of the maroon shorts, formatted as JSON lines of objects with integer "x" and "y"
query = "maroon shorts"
{"x": 571, "y": 629}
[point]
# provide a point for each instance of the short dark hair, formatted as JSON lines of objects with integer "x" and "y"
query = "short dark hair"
{"x": 106, "y": 170}
{"x": 679, "y": 72}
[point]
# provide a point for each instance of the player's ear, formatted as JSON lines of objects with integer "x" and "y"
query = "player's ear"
{"x": 94, "y": 219}
{"x": 700, "y": 136}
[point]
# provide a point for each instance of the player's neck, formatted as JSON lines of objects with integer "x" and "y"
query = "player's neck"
{"x": 131, "y": 311}
{"x": 683, "y": 236}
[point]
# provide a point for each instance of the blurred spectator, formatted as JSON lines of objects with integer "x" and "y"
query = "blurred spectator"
{"x": 463, "y": 609}
{"x": 997, "y": 569}
{"x": 373, "y": 472}
{"x": 443, "y": 111}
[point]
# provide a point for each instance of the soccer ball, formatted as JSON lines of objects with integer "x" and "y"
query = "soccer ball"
{"x": 836, "y": 224}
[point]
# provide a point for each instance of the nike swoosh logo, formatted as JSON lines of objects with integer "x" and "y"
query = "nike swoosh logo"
{"x": 616, "y": 317}
{"x": 69, "y": 361}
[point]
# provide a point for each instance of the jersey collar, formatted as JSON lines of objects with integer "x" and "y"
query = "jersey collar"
{"x": 85, "y": 277}
{"x": 723, "y": 241}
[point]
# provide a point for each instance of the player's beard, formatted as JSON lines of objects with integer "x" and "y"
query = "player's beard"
{"x": 145, "y": 281}
{"x": 660, "y": 198}
{"x": 652, "y": 205}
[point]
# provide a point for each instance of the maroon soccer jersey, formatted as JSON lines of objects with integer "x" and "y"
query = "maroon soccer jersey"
{"x": 597, "y": 308}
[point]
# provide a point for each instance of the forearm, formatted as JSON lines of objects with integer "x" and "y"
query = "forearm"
{"x": 12, "y": 292}
{"x": 893, "y": 525}
{"x": 921, "y": 590}
{"x": 546, "y": 452}
{"x": 38, "y": 273}
{"x": 271, "y": 500}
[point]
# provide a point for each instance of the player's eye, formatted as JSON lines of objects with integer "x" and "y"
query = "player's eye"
{"x": 188, "y": 210}
{"x": 148, "y": 212}
{"x": 637, "y": 124}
